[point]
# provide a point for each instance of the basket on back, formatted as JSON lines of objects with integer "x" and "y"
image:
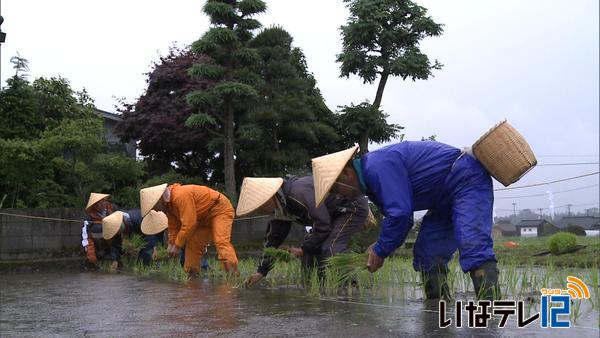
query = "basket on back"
{"x": 504, "y": 153}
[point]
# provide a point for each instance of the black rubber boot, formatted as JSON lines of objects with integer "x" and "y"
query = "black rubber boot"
{"x": 435, "y": 283}
{"x": 485, "y": 281}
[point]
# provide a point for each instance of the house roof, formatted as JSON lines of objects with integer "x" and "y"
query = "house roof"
{"x": 586, "y": 222}
{"x": 531, "y": 223}
{"x": 506, "y": 226}
{"x": 107, "y": 115}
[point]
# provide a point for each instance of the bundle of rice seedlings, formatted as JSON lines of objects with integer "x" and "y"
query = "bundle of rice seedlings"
{"x": 346, "y": 266}
{"x": 278, "y": 255}
{"x": 172, "y": 270}
{"x": 133, "y": 244}
{"x": 162, "y": 252}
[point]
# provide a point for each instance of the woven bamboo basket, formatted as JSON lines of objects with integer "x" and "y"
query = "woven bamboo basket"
{"x": 505, "y": 154}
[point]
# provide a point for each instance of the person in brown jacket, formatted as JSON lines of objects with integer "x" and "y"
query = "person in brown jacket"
{"x": 197, "y": 215}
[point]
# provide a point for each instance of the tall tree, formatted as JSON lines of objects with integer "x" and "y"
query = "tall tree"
{"x": 19, "y": 116}
{"x": 381, "y": 39}
{"x": 52, "y": 147}
{"x": 26, "y": 110}
{"x": 226, "y": 43}
{"x": 289, "y": 124}
{"x": 157, "y": 120}
{"x": 20, "y": 64}
{"x": 366, "y": 123}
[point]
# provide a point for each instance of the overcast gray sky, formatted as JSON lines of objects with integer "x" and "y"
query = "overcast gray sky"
{"x": 533, "y": 62}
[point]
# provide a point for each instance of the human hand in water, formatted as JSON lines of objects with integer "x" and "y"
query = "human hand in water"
{"x": 253, "y": 279}
{"x": 374, "y": 262}
{"x": 297, "y": 252}
{"x": 173, "y": 250}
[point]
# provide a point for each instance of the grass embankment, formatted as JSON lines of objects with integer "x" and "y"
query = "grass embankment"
{"x": 525, "y": 249}
{"x": 523, "y": 253}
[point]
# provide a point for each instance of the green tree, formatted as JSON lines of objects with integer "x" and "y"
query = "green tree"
{"x": 226, "y": 43}
{"x": 290, "y": 122}
{"x": 20, "y": 64}
{"x": 21, "y": 167}
{"x": 119, "y": 170}
{"x": 53, "y": 152}
{"x": 366, "y": 123}
{"x": 19, "y": 116}
{"x": 71, "y": 147}
{"x": 57, "y": 101}
{"x": 26, "y": 110}
{"x": 381, "y": 39}
{"x": 74, "y": 140}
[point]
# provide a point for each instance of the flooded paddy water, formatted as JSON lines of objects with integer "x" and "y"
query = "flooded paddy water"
{"x": 74, "y": 303}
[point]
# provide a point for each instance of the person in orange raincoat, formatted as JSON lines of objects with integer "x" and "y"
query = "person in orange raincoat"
{"x": 197, "y": 216}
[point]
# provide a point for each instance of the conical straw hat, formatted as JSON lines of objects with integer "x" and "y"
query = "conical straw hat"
{"x": 95, "y": 198}
{"x": 255, "y": 192}
{"x": 150, "y": 196}
{"x": 111, "y": 224}
{"x": 155, "y": 222}
{"x": 326, "y": 170}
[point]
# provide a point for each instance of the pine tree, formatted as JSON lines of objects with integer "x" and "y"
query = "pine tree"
{"x": 221, "y": 106}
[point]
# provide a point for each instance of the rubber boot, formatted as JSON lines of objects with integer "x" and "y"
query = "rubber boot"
{"x": 435, "y": 283}
{"x": 485, "y": 281}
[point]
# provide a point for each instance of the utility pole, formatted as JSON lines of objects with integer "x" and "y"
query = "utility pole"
{"x": 515, "y": 212}
{"x": 569, "y": 209}
{"x": 2, "y": 39}
{"x": 541, "y": 215}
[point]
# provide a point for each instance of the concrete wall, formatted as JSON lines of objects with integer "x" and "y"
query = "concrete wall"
{"x": 251, "y": 232}
{"x": 26, "y": 238}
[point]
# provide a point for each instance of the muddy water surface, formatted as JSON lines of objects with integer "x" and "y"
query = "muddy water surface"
{"x": 105, "y": 305}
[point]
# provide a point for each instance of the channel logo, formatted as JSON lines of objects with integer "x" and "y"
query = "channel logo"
{"x": 555, "y": 309}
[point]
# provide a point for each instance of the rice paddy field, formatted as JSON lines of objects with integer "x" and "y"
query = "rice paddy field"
{"x": 163, "y": 300}
{"x": 522, "y": 276}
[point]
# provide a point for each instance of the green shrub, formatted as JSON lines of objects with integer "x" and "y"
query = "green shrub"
{"x": 561, "y": 242}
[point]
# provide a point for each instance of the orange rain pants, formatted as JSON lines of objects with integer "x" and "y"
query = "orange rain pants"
{"x": 198, "y": 216}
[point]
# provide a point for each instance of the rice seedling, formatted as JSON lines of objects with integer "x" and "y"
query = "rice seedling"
{"x": 346, "y": 267}
{"x": 133, "y": 244}
{"x": 575, "y": 310}
{"x": 395, "y": 280}
{"x": 172, "y": 270}
{"x": 313, "y": 283}
{"x": 278, "y": 255}
{"x": 162, "y": 252}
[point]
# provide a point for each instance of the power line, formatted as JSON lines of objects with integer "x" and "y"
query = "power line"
{"x": 562, "y": 164}
{"x": 545, "y": 194}
{"x": 567, "y": 156}
{"x": 556, "y": 207}
{"x": 550, "y": 182}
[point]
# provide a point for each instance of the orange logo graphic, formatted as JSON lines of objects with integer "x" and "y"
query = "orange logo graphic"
{"x": 577, "y": 288}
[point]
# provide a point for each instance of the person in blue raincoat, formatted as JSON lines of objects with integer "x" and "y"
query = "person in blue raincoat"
{"x": 410, "y": 176}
